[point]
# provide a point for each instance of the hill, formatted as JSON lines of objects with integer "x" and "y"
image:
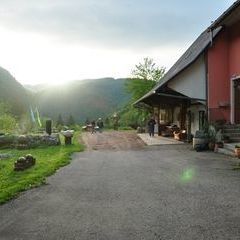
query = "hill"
{"x": 84, "y": 99}
{"x": 13, "y": 92}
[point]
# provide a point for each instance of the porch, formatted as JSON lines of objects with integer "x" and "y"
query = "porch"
{"x": 176, "y": 115}
{"x": 158, "y": 140}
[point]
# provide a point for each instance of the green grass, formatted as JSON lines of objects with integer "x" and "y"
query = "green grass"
{"x": 48, "y": 160}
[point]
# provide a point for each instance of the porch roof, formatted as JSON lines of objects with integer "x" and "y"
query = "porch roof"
{"x": 190, "y": 56}
{"x": 167, "y": 97}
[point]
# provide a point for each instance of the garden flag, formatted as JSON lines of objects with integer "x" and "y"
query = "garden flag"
{"x": 38, "y": 118}
{"x": 32, "y": 115}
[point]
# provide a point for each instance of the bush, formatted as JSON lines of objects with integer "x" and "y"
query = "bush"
{"x": 7, "y": 123}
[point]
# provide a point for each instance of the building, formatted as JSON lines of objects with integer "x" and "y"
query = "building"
{"x": 204, "y": 84}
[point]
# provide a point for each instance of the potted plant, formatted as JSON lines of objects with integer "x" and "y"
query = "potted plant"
{"x": 237, "y": 151}
{"x": 212, "y": 137}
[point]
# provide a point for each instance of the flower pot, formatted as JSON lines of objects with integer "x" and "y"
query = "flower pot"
{"x": 237, "y": 152}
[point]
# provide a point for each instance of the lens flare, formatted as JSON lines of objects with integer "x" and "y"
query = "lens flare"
{"x": 187, "y": 175}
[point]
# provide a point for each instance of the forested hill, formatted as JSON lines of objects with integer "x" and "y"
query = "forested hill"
{"x": 13, "y": 92}
{"x": 83, "y": 99}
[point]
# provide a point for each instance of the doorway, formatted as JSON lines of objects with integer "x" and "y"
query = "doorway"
{"x": 237, "y": 101}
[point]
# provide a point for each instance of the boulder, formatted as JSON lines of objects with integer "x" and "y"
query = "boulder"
{"x": 23, "y": 163}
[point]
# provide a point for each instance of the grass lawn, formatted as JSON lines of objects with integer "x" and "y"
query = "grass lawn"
{"x": 48, "y": 160}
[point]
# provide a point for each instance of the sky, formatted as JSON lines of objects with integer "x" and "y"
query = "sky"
{"x": 56, "y": 41}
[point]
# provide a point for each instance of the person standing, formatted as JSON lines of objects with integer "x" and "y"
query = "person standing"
{"x": 100, "y": 124}
{"x": 93, "y": 126}
{"x": 151, "y": 124}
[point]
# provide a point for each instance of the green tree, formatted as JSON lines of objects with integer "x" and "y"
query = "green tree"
{"x": 138, "y": 87}
{"x": 145, "y": 76}
{"x": 148, "y": 70}
{"x": 8, "y": 122}
{"x": 5, "y": 108}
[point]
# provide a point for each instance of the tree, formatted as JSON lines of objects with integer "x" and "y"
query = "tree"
{"x": 138, "y": 87}
{"x": 60, "y": 121}
{"x": 146, "y": 75}
{"x": 148, "y": 70}
{"x": 8, "y": 122}
{"x": 5, "y": 108}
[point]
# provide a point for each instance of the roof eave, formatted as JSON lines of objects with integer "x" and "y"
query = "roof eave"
{"x": 219, "y": 21}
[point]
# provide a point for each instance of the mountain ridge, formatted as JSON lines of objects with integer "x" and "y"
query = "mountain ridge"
{"x": 12, "y": 92}
{"x": 88, "y": 98}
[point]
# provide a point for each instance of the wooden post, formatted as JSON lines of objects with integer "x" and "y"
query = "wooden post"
{"x": 158, "y": 119}
{"x": 183, "y": 115}
{"x": 189, "y": 123}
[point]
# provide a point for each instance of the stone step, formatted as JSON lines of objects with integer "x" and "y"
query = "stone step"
{"x": 226, "y": 152}
{"x": 235, "y": 139}
{"x": 232, "y": 135}
{"x": 229, "y": 146}
{"x": 231, "y": 126}
{"x": 230, "y": 130}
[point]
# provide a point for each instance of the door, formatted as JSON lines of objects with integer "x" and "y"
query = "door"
{"x": 237, "y": 101}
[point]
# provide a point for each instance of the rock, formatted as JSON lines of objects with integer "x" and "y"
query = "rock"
{"x": 52, "y": 140}
{"x": 24, "y": 162}
{"x": 22, "y": 139}
{"x": 67, "y": 133}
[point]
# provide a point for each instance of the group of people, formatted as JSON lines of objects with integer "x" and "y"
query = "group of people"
{"x": 98, "y": 124}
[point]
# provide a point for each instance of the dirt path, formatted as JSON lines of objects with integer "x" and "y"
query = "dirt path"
{"x": 112, "y": 140}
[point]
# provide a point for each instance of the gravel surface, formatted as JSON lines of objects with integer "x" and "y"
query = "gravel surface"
{"x": 112, "y": 140}
{"x": 167, "y": 192}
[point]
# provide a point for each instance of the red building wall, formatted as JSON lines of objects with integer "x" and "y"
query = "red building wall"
{"x": 234, "y": 50}
{"x": 218, "y": 77}
{"x": 223, "y": 64}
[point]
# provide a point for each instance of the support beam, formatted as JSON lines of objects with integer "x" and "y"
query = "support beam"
{"x": 158, "y": 119}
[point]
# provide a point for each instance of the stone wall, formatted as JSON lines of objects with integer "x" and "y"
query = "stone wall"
{"x": 29, "y": 141}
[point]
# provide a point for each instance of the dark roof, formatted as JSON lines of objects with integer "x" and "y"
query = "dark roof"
{"x": 198, "y": 47}
{"x": 225, "y": 17}
{"x": 192, "y": 53}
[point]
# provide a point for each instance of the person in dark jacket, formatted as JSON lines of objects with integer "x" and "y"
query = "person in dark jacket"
{"x": 151, "y": 124}
{"x": 93, "y": 123}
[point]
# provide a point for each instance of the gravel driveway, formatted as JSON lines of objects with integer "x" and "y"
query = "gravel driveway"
{"x": 112, "y": 140}
{"x": 166, "y": 193}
